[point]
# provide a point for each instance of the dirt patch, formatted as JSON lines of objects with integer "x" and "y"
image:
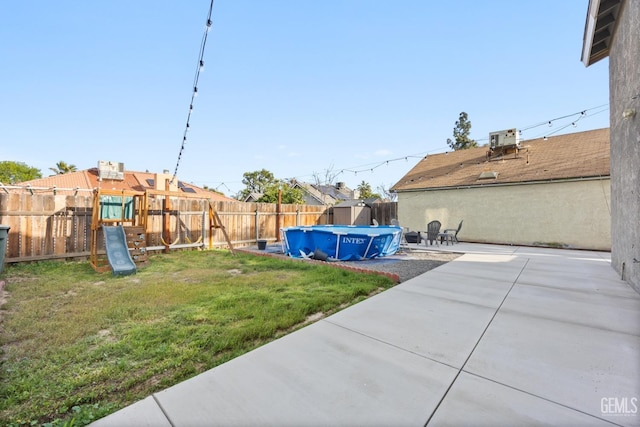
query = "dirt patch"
{"x": 314, "y": 317}
{"x": 3, "y": 298}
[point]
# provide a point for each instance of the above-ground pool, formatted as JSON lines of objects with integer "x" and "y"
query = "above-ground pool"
{"x": 341, "y": 242}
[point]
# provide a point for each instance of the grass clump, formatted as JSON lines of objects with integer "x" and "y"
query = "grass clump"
{"x": 77, "y": 345}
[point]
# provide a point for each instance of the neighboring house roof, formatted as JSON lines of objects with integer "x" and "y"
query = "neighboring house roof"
{"x": 88, "y": 180}
{"x": 252, "y": 197}
{"x": 338, "y": 193}
{"x": 599, "y": 29}
{"x": 326, "y": 194}
{"x": 371, "y": 200}
{"x": 314, "y": 194}
{"x": 570, "y": 156}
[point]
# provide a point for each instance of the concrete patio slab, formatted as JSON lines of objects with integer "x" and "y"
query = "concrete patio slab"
{"x": 579, "y": 276}
{"x": 322, "y": 375}
{"x": 594, "y": 309}
{"x": 494, "y": 267}
{"x": 573, "y": 365}
{"x": 456, "y": 287}
{"x": 145, "y": 413}
{"x": 475, "y": 401}
{"x": 440, "y": 329}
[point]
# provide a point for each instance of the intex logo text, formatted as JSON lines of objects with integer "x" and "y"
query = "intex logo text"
{"x": 356, "y": 240}
{"x": 619, "y": 406}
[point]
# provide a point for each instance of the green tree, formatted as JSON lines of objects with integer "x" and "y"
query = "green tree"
{"x": 63, "y": 167}
{"x": 290, "y": 195}
{"x": 213, "y": 190}
{"x": 366, "y": 192}
{"x": 256, "y": 182}
{"x": 15, "y": 172}
{"x": 461, "y": 134}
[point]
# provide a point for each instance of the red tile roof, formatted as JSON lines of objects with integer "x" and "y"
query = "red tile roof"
{"x": 571, "y": 156}
{"x": 85, "y": 181}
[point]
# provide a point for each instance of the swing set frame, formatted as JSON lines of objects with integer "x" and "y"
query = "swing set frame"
{"x": 140, "y": 218}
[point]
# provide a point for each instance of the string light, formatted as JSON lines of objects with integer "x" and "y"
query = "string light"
{"x": 194, "y": 93}
{"x": 369, "y": 168}
{"x": 581, "y": 115}
{"x": 549, "y": 123}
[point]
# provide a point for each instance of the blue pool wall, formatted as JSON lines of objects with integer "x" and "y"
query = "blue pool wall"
{"x": 342, "y": 242}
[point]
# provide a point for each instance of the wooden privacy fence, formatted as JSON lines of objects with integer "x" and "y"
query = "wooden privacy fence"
{"x": 384, "y": 212}
{"x": 46, "y": 226}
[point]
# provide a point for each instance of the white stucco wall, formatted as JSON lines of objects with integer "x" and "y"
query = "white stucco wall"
{"x": 573, "y": 214}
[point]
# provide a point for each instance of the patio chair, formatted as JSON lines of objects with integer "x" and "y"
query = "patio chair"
{"x": 450, "y": 234}
{"x": 433, "y": 230}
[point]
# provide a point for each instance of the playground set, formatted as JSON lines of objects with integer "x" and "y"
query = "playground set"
{"x": 122, "y": 216}
{"x": 119, "y": 228}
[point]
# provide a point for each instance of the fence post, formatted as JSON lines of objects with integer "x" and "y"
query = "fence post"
{"x": 278, "y": 210}
{"x": 297, "y": 216}
{"x": 257, "y": 224}
{"x": 166, "y": 218}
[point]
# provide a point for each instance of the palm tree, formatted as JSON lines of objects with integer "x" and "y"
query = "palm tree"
{"x": 62, "y": 167}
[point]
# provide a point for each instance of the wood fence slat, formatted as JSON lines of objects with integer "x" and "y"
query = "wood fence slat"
{"x": 47, "y": 226}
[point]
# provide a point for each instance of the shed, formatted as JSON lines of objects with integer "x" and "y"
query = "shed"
{"x": 352, "y": 212}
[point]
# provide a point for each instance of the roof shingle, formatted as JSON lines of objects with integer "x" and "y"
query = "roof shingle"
{"x": 570, "y": 156}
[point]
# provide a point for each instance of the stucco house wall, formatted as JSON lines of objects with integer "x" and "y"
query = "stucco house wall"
{"x": 574, "y": 214}
{"x": 624, "y": 92}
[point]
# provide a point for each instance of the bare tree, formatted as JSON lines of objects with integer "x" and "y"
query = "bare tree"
{"x": 328, "y": 178}
{"x": 386, "y": 193}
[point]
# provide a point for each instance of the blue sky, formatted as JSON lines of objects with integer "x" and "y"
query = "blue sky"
{"x": 362, "y": 89}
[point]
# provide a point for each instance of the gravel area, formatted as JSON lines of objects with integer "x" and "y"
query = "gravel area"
{"x": 407, "y": 265}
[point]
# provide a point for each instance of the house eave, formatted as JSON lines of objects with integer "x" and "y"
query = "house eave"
{"x": 599, "y": 29}
{"x": 505, "y": 184}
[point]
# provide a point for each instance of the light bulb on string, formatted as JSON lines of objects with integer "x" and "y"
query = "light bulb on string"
{"x": 194, "y": 94}
{"x": 550, "y": 124}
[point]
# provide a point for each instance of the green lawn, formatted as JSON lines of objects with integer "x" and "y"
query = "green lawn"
{"x": 77, "y": 345}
